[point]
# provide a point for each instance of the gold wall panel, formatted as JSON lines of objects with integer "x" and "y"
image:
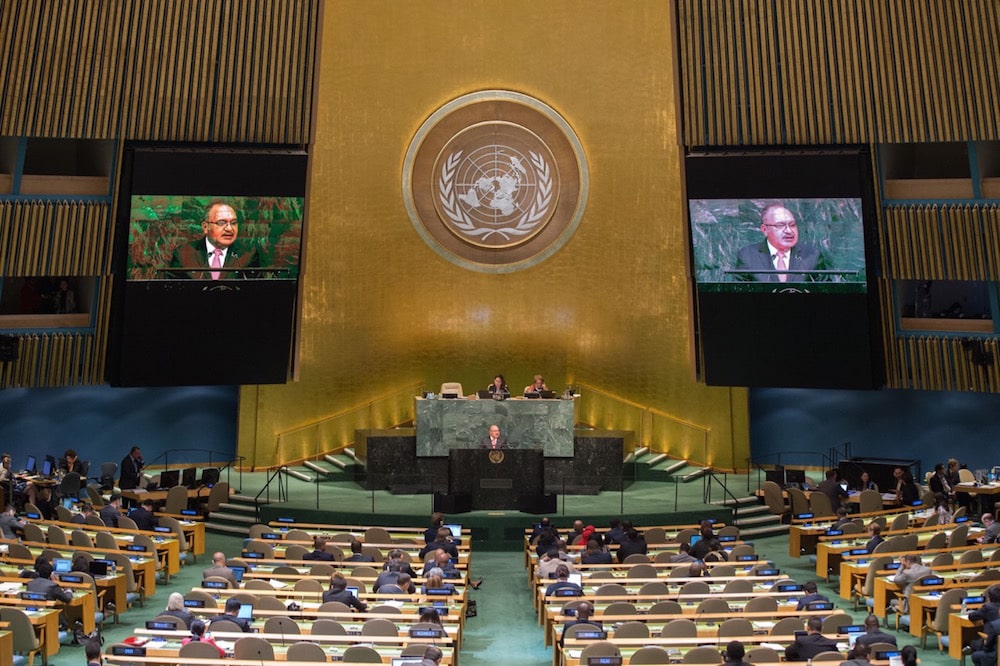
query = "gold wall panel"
{"x": 838, "y": 71}
{"x": 381, "y": 310}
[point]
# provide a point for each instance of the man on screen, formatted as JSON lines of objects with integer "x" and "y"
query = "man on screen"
{"x": 217, "y": 249}
{"x": 779, "y": 251}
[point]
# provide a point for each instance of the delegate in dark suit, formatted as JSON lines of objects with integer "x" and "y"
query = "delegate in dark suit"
{"x": 808, "y": 646}
{"x": 487, "y": 443}
{"x": 758, "y": 257}
{"x": 195, "y": 255}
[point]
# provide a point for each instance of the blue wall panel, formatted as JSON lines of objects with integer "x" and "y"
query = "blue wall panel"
{"x": 102, "y": 423}
{"x": 924, "y": 425}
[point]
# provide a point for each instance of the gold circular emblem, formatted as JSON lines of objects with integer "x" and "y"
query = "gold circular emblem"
{"x": 496, "y": 456}
{"x": 495, "y": 181}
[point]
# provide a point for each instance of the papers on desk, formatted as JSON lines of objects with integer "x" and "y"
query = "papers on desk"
{"x": 276, "y": 584}
{"x": 394, "y": 603}
{"x": 764, "y": 624}
{"x": 774, "y": 646}
{"x": 154, "y": 642}
{"x": 227, "y": 646}
{"x": 10, "y": 588}
{"x": 891, "y": 497}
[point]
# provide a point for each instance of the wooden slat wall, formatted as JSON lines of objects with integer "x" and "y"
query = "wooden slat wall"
{"x": 186, "y": 70}
{"x": 807, "y": 72}
{"x": 48, "y": 238}
{"x": 234, "y": 71}
{"x": 764, "y": 72}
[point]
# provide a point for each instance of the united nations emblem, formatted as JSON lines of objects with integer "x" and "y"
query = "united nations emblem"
{"x": 495, "y": 181}
{"x": 496, "y": 456}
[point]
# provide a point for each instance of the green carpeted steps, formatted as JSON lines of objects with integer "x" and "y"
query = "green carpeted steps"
{"x": 233, "y": 517}
{"x": 753, "y": 518}
{"x": 661, "y": 467}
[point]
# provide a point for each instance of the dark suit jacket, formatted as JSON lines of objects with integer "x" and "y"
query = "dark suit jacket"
{"x": 758, "y": 256}
{"x": 144, "y": 520}
{"x": 877, "y": 636}
{"x": 110, "y": 515}
{"x": 128, "y": 473}
{"x": 194, "y": 255}
{"x": 484, "y": 443}
{"x": 808, "y": 646}
{"x": 320, "y": 555}
{"x": 49, "y": 588}
{"x": 241, "y": 622}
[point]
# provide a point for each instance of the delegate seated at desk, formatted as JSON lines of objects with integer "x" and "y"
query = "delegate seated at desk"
{"x": 537, "y": 385}
{"x": 499, "y": 387}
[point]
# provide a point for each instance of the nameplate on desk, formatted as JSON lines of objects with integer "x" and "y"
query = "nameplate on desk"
{"x": 286, "y": 519}
{"x": 568, "y": 592}
{"x": 973, "y": 600}
{"x": 194, "y": 603}
{"x": 439, "y": 591}
{"x": 789, "y": 587}
{"x": 858, "y": 551}
{"x": 159, "y": 625}
{"x": 271, "y": 535}
{"x": 767, "y": 572}
{"x": 128, "y": 651}
{"x": 747, "y": 558}
{"x": 33, "y": 596}
{"x": 591, "y": 635}
{"x": 135, "y": 548}
{"x": 188, "y": 512}
{"x": 727, "y": 538}
{"x": 834, "y": 532}
{"x": 496, "y": 484}
{"x": 253, "y": 555}
{"x": 426, "y": 633}
{"x": 33, "y": 516}
{"x": 165, "y": 530}
{"x": 70, "y": 578}
{"x": 215, "y": 584}
{"x": 803, "y": 516}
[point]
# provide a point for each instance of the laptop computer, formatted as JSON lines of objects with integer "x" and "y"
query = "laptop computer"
{"x": 98, "y": 568}
{"x": 61, "y": 565}
{"x": 245, "y": 612}
{"x": 484, "y": 395}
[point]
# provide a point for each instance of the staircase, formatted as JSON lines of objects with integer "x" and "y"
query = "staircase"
{"x": 753, "y": 518}
{"x": 660, "y": 467}
{"x": 233, "y": 517}
{"x": 331, "y": 467}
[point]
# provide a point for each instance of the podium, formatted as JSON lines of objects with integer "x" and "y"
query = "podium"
{"x": 496, "y": 479}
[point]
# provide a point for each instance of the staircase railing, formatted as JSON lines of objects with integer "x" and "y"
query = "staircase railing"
{"x": 226, "y": 462}
{"x": 711, "y": 478}
{"x": 274, "y": 474}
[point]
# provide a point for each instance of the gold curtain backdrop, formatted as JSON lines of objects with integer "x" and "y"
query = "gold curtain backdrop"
{"x": 382, "y": 313}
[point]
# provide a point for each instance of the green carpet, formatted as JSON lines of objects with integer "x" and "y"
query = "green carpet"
{"x": 506, "y": 630}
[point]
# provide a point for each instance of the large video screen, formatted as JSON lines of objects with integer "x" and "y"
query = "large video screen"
{"x": 782, "y": 250}
{"x": 757, "y": 245}
{"x": 176, "y": 237}
{"x": 207, "y": 264}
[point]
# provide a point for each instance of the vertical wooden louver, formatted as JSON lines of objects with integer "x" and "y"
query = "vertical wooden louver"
{"x": 226, "y": 71}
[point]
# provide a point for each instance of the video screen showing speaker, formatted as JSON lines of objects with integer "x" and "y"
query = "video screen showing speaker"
{"x": 782, "y": 251}
{"x": 207, "y": 260}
